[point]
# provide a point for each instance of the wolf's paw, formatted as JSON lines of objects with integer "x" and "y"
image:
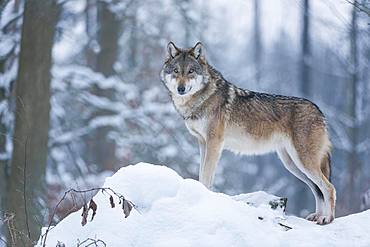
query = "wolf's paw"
{"x": 323, "y": 220}
{"x": 313, "y": 216}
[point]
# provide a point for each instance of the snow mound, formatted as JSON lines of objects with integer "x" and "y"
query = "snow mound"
{"x": 172, "y": 211}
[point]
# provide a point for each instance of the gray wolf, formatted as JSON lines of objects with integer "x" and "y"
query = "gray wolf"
{"x": 222, "y": 116}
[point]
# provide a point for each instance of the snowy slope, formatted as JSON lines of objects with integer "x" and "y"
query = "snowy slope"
{"x": 173, "y": 211}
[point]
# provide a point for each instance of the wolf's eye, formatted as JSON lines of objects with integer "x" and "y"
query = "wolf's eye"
{"x": 176, "y": 71}
{"x": 191, "y": 71}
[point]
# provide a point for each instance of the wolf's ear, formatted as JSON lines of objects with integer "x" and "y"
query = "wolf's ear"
{"x": 172, "y": 49}
{"x": 198, "y": 50}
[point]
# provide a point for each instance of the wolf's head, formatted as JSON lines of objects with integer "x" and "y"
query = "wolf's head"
{"x": 183, "y": 72}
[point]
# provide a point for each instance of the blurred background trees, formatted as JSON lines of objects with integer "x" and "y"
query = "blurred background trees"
{"x": 97, "y": 63}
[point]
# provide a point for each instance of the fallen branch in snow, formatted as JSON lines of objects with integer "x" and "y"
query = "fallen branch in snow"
{"x": 126, "y": 207}
{"x": 260, "y": 197}
{"x": 285, "y": 227}
{"x": 279, "y": 203}
{"x": 90, "y": 242}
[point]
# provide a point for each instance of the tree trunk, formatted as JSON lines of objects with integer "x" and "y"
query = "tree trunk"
{"x": 257, "y": 47}
{"x": 303, "y": 194}
{"x": 306, "y": 51}
{"x": 101, "y": 148}
{"x": 27, "y": 178}
{"x": 353, "y": 162}
{"x": 10, "y": 28}
{"x": 90, "y": 20}
{"x": 186, "y": 20}
{"x": 204, "y": 18}
{"x": 133, "y": 42}
{"x": 108, "y": 35}
{"x": 4, "y": 161}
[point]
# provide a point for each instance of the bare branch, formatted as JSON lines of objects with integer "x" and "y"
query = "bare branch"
{"x": 90, "y": 241}
{"x": 109, "y": 191}
{"x": 359, "y": 6}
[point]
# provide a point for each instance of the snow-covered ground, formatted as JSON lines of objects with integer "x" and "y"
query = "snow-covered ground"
{"x": 172, "y": 211}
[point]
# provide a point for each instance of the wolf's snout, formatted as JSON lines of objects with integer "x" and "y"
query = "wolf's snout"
{"x": 181, "y": 90}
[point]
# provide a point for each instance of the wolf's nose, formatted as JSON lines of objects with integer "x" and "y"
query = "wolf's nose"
{"x": 181, "y": 89}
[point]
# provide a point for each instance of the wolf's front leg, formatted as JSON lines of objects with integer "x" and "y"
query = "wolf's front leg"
{"x": 202, "y": 153}
{"x": 213, "y": 148}
{"x": 208, "y": 168}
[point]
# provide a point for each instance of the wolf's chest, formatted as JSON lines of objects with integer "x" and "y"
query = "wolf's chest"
{"x": 198, "y": 127}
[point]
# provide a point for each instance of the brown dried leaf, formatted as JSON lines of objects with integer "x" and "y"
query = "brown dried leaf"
{"x": 93, "y": 207}
{"x": 111, "y": 202}
{"x": 127, "y": 207}
{"x": 84, "y": 214}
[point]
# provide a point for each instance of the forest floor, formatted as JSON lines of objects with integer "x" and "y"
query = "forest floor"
{"x": 172, "y": 211}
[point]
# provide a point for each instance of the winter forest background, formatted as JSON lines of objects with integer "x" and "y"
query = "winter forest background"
{"x": 80, "y": 94}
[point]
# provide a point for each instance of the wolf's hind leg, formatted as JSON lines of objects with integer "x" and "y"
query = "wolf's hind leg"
{"x": 310, "y": 165}
{"x": 292, "y": 168}
{"x": 328, "y": 191}
{"x": 329, "y": 195}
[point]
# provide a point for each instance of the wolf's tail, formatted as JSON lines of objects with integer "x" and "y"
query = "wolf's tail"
{"x": 326, "y": 166}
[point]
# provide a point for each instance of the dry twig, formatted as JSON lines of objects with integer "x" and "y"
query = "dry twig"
{"x": 126, "y": 207}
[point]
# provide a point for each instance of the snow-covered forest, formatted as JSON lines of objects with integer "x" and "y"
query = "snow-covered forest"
{"x": 81, "y": 97}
